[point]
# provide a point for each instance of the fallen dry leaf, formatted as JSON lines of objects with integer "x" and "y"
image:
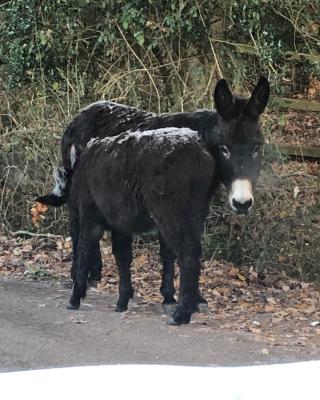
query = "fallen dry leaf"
{"x": 79, "y": 319}
{"x": 257, "y": 331}
{"x": 36, "y": 213}
{"x": 233, "y": 305}
{"x": 269, "y": 308}
{"x": 271, "y": 300}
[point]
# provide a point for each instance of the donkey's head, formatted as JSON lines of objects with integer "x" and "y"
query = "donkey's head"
{"x": 239, "y": 142}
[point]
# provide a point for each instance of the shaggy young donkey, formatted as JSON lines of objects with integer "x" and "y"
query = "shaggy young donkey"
{"x": 135, "y": 182}
{"x": 106, "y": 118}
{"x": 231, "y": 134}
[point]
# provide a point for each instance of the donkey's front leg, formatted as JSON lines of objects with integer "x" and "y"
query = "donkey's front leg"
{"x": 189, "y": 264}
{"x": 167, "y": 288}
{"x": 122, "y": 251}
{"x": 167, "y": 285}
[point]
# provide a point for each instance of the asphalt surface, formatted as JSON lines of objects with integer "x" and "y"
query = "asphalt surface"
{"x": 37, "y": 331}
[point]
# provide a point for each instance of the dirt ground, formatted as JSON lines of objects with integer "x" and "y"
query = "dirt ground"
{"x": 36, "y": 331}
{"x": 249, "y": 320}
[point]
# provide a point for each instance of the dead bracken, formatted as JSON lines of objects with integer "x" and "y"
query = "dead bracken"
{"x": 278, "y": 311}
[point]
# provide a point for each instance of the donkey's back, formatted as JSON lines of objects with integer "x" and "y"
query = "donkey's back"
{"x": 98, "y": 120}
{"x": 136, "y": 179}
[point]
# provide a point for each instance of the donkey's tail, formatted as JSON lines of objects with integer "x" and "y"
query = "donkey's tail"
{"x": 58, "y": 196}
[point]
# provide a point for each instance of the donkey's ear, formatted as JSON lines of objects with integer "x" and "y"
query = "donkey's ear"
{"x": 258, "y": 99}
{"x": 223, "y": 99}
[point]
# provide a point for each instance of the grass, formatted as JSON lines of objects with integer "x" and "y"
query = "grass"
{"x": 281, "y": 234}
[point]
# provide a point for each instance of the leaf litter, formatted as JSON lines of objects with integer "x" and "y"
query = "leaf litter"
{"x": 278, "y": 312}
{"x": 294, "y": 127}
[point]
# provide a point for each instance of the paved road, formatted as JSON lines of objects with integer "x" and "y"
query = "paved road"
{"x": 36, "y": 331}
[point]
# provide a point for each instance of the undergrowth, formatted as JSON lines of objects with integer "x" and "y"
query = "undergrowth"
{"x": 56, "y": 57}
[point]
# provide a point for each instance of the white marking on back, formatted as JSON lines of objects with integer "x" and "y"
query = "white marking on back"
{"x": 59, "y": 176}
{"x": 107, "y": 104}
{"x": 171, "y": 134}
{"x": 241, "y": 191}
{"x": 93, "y": 141}
{"x": 174, "y": 135}
{"x": 111, "y": 105}
{"x": 100, "y": 103}
{"x": 73, "y": 155}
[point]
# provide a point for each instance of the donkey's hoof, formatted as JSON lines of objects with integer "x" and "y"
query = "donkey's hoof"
{"x": 74, "y": 303}
{"x": 73, "y": 307}
{"x": 120, "y": 308}
{"x": 172, "y": 322}
{"x": 180, "y": 317}
{"x": 169, "y": 308}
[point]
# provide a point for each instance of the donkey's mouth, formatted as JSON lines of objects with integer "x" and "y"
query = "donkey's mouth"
{"x": 241, "y": 213}
{"x": 237, "y": 212}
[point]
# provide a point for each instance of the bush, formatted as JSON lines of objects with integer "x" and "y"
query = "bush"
{"x": 46, "y": 40}
{"x": 281, "y": 234}
{"x": 57, "y": 56}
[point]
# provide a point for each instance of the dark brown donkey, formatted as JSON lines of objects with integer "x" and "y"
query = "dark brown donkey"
{"x": 232, "y": 136}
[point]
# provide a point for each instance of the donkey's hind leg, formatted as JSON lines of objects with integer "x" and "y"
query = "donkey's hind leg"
{"x": 89, "y": 235}
{"x": 96, "y": 265}
{"x": 122, "y": 251}
{"x": 74, "y": 229}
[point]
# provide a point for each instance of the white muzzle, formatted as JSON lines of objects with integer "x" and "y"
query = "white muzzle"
{"x": 241, "y": 196}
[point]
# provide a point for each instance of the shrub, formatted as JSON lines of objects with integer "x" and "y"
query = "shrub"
{"x": 57, "y": 56}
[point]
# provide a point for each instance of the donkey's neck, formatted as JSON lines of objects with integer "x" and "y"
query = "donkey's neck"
{"x": 203, "y": 121}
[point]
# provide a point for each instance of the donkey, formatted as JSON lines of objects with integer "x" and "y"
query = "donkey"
{"x": 232, "y": 133}
{"x": 132, "y": 183}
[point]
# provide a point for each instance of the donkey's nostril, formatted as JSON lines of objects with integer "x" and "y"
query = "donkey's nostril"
{"x": 242, "y": 208}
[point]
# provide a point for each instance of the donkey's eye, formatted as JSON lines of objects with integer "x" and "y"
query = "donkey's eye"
{"x": 256, "y": 151}
{"x": 225, "y": 151}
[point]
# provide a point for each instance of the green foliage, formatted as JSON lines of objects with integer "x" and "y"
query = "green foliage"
{"x": 275, "y": 28}
{"x": 255, "y": 22}
{"x": 56, "y": 56}
{"x": 41, "y": 39}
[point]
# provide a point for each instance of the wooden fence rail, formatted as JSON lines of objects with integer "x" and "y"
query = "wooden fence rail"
{"x": 295, "y": 104}
{"x": 297, "y": 150}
